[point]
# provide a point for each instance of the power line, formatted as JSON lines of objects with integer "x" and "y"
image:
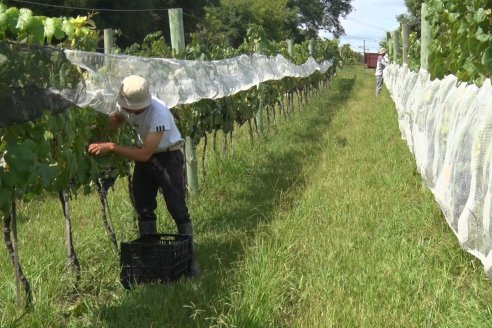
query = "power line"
{"x": 357, "y": 37}
{"x": 90, "y": 9}
{"x": 190, "y": 15}
{"x": 369, "y": 24}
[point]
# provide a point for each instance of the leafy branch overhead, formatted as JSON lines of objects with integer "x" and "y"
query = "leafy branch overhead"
{"x": 214, "y": 19}
{"x": 323, "y": 14}
{"x": 462, "y": 42}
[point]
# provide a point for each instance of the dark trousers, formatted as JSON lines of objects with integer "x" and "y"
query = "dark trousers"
{"x": 163, "y": 171}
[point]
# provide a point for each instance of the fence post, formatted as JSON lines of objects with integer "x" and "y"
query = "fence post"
{"x": 108, "y": 40}
{"x": 290, "y": 47}
{"x": 259, "y": 114}
{"x": 108, "y": 45}
{"x": 311, "y": 48}
{"x": 178, "y": 44}
{"x": 290, "y": 107}
{"x": 176, "y": 29}
{"x": 389, "y": 44}
{"x": 396, "y": 44}
{"x": 425, "y": 39}
{"x": 406, "y": 33}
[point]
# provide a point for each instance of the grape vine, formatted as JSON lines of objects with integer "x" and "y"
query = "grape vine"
{"x": 462, "y": 39}
{"x": 43, "y": 145}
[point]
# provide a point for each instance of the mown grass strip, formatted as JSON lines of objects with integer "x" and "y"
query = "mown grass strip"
{"x": 325, "y": 223}
{"x": 365, "y": 245}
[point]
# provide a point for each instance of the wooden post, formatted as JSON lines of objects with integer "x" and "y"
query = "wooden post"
{"x": 108, "y": 40}
{"x": 178, "y": 45}
{"x": 177, "y": 29}
{"x": 396, "y": 45}
{"x": 425, "y": 39}
{"x": 108, "y": 45}
{"x": 406, "y": 33}
{"x": 290, "y": 107}
{"x": 290, "y": 47}
{"x": 260, "y": 113}
{"x": 389, "y": 44}
{"x": 15, "y": 245}
{"x": 311, "y": 48}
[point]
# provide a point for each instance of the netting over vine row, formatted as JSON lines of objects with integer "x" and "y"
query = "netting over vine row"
{"x": 182, "y": 81}
{"x": 448, "y": 127}
{"x": 36, "y": 79}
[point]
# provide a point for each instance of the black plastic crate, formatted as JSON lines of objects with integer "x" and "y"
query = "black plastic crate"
{"x": 155, "y": 258}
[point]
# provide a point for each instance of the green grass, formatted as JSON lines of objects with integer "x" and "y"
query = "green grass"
{"x": 326, "y": 223}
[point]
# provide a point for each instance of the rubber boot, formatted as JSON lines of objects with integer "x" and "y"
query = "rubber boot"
{"x": 187, "y": 229}
{"x": 147, "y": 227}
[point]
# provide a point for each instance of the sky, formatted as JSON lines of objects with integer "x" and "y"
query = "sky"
{"x": 369, "y": 21}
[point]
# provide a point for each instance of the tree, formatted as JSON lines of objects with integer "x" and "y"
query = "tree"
{"x": 350, "y": 57}
{"x": 228, "y": 22}
{"x": 412, "y": 18}
{"x": 274, "y": 16}
{"x": 315, "y": 15}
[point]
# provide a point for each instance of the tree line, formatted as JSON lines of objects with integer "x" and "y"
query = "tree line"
{"x": 228, "y": 20}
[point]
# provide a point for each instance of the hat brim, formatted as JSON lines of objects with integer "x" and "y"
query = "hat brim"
{"x": 123, "y": 103}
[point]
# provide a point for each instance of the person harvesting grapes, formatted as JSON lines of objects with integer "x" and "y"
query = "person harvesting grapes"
{"x": 158, "y": 160}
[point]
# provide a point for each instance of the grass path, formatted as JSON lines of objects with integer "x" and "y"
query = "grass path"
{"x": 324, "y": 224}
{"x": 365, "y": 245}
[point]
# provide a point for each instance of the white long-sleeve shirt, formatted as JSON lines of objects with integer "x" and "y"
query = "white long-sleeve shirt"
{"x": 383, "y": 61}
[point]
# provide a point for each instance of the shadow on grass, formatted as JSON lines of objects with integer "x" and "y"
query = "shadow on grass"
{"x": 248, "y": 196}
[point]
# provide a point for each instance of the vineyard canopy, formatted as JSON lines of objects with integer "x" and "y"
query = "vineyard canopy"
{"x": 37, "y": 78}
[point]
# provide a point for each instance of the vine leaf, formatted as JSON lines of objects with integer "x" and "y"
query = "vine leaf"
{"x": 25, "y": 19}
{"x": 487, "y": 58}
{"x": 482, "y": 36}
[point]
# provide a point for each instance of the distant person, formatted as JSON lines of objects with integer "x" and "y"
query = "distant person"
{"x": 383, "y": 61}
{"x": 158, "y": 160}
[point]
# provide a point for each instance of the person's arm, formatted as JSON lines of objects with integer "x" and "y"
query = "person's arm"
{"x": 385, "y": 60}
{"x": 116, "y": 120}
{"x": 142, "y": 154}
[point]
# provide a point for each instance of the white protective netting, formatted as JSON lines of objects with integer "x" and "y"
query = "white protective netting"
{"x": 182, "y": 81}
{"x": 448, "y": 127}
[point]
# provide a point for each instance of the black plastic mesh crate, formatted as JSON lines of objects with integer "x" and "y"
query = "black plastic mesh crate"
{"x": 155, "y": 258}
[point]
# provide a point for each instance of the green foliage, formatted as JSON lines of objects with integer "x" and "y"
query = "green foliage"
{"x": 414, "y": 52}
{"x": 299, "y": 20}
{"x": 350, "y": 57}
{"x": 50, "y": 152}
{"x": 487, "y": 58}
{"x": 322, "y": 14}
{"x": 462, "y": 37}
{"x": 153, "y": 45}
{"x": 412, "y": 18}
{"x": 273, "y": 15}
{"x": 23, "y": 26}
{"x": 134, "y": 25}
{"x": 228, "y": 22}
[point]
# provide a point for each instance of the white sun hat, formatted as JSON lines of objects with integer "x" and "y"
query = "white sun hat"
{"x": 134, "y": 93}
